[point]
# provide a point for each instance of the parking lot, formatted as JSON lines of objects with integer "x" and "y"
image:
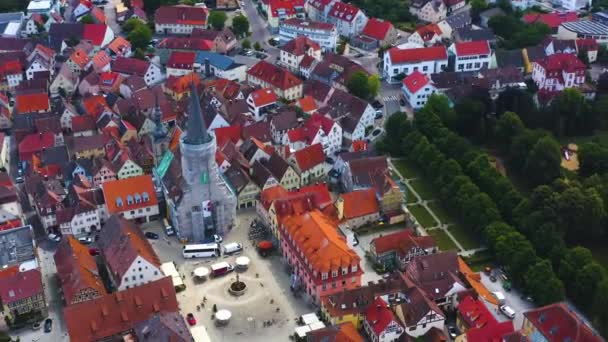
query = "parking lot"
{"x": 267, "y": 289}
{"x": 513, "y": 298}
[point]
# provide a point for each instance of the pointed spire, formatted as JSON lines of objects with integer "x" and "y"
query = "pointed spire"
{"x": 196, "y": 132}
{"x": 160, "y": 132}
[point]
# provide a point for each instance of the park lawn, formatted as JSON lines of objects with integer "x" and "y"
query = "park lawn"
{"x": 410, "y": 197}
{"x": 422, "y": 216}
{"x": 406, "y": 168}
{"x": 466, "y": 238}
{"x": 441, "y": 213}
{"x": 423, "y": 188}
{"x": 442, "y": 239}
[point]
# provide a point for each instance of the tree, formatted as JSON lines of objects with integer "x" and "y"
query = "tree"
{"x": 572, "y": 113}
{"x": 358, "y": 85}
{"x": 477, "y": 6}
{"x": 373, "y": 85}
{"x": 543, "y": 164}
{"x": 87, "y": 19}
{"x": 131, "y": 24}
{"x": 240, "y": 25}
{"x": 139, "y": 54}
{"x": 580, "y": 212}
{"x": 600, "y": 107}
{"x": 397, "y": 127}
{"x": 140, "y": 36}
{"x": 341, "y": 48}
{"x": 575, "y": 259}
{"x": 246, "y": 44}
{"x": 586, "y": 283}
{"x": 217, "y": 19}
{"x": 543, "y": 285}
{"x": 593, "y": 158}
{"x": 508, "y": 127}
{"x": 257, "y": 46}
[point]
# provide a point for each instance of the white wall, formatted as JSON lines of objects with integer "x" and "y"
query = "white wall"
{"x": 140, "y": 272}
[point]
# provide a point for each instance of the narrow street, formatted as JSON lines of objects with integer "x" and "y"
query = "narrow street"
{"x": 259, "y": 30}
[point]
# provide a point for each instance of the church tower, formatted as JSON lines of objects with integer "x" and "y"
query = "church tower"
{"x": 208, "y": 205}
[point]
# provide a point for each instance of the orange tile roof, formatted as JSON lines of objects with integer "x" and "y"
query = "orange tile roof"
{"x": 317, "y": 237}
{"x": 182, "y": 84}
{"x": 309, "y": 157}
{"x": 80, "y": 57}
{"x": 94, "y": 105}
{"x": 101, "y": 59}
{"x": 359, "y": 203}
{"x": 118, "y": 45}
{"x": 307, "y": 104}
{"x": 35, "y": 102}
{"x": 122, "y": 188}
{"x": 263, "y": 97}
{"x": 269, "y": 195}
{"x": 175, "y": 139}
{"x": 76, "y": 269}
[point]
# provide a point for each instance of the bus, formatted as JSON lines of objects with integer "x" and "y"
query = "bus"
{"x": 206, "y": 250}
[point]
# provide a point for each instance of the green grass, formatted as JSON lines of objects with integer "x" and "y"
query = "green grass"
{"x": 422, "y": 216}
{"x": 410, "y": 197}
{"x": 442, "y": 239}
{"x": 441, "y": 213}
{"x": 466, "y": 238}
{"x": 406, "y": 168}
{"x": 423, "y": 188}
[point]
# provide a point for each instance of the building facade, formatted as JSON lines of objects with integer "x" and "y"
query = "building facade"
{"x": 324, "y": 34}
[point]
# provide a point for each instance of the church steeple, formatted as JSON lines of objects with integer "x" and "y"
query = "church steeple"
{"x": 196, "y": 132}
{"x": 160, "y": 132}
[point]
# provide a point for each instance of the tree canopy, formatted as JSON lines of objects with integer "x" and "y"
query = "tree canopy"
{"x": 139, "y": 34}
{"x": 517, "y": 34}
{"x": 364, "y": 86}
{"x": 240, "y": 25}
{"x": 217, "y": 19}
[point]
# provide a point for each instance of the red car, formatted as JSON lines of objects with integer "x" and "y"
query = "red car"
{"x": 93, "y": 251}
{"x": 190, "y": 319}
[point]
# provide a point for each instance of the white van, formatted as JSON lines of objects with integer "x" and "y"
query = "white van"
{"x": 500, "y": 297}
{"x": 232, "y": 247}
{"x": 507, "y": 311}
{"x": 168, "y": 228}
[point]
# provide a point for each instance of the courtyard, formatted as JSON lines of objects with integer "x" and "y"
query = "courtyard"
{"x": 268, "y": 297}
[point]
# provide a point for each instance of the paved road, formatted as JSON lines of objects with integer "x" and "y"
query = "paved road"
{"x": 110, "y": 12}
{"x": 259, "y": 30}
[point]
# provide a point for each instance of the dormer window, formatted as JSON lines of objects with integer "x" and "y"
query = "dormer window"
{"x": 334, "y": 274}
{"x": 119, "y": 202}
{"x": 354, "y": 268}
{"x": 145, "y": 197}
{"x": 344, "y": 270}
{"x": 137, "y": 198}
{"x": 129, "y": 200}
{"x": 324, "y": 276}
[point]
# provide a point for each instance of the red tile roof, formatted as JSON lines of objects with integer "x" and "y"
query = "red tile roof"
{"x": 34, "y": 102}
{"x": 562, "y": 62}
{"x": 186, "y": 43}
{"x": 274, "y": 75}
{"x": 316, "y": 25}
{"x": 181, "y": 15}
{"x": 263, "y": 97}
{"x": 94, "y": 105}
{"x": 378, "y": 315}
{"x": 10, "y": 67}
{"x": 416, "y": 81}
{"x": 307, "y": 104}
{"x": 130, "y": 66}
{"x": 81, "y": 123}
{"x": 76, "y": 269}
{"x": 182, "y": 83}
{"x": 587, "y": 44}
{"x": 15, "y": 286}
{"x": 119, "y": 45}
{"x": 79, "y": 57}
{"x": 289, "y": 6}
{"x": 474, "y": 312}
{"x": 401, "y": 241}
{"x": 491, "y": 332}
{"x": 181, "y": 60}
{"x": 118, "y": 191}
{"x": 480, "y": 47}
{"x": 359, "y": 203}
{"x": 553, "y": 20}
{"x": 427, "y": 32}
{"x": 101, "y": 59}
{"x": 34, "y": 143}
{"x": 118, "y": 312}
{"x": 558, "y": 323}
{"x": 399, "y": 56}
{"x": 343, "y": 11}
{"x": 309, "y": 157}
{"x": 98, "y": 14}
{"x": 300, "y": 45}
{"x": 95, "y": 33}
{"x": 225, "y": 134}
{"x": 377, "y": 28}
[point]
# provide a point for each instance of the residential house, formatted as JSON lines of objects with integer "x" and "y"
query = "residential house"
{"x": 472, "y": 313}
{"x": 180, "y": 19}
{"x": 80, "y": 219}
{"x": 41, "y": 59}
{"x": 431, "y": 11}
{"x": 427, "y": 35}
{"x": 309, "y": 163}
{"x": 136, "y": 314}
{"x": 87, "y": 146}
{"x": 453, "y": 5}
{"x": 324, "y": 34}
{"x": 284, "y": 84}
{"x": 553, "y": 20}
{"x": 557, "y": 322}
{"x": 471, "y": 56}
{"x": 11, "y": 72}
{"x": 418, "y": 314}
{"x": 353, "y": 114}
{"x": 99, "y": 35}
{"x": 245, "y": 189}
{"x": 33, "y": 144}
{"x": 321, "y": 261}
{"x": 318, "y": 9}
{"x": 129, "y": 257}
{"x": 376, "y": 33}
{"x": 282, "y": 172}
{"x": 358, "y": 208}
{"x": 32, "y": 102}
{"x": 103, "y": 171}
{"x": 78, "y": 60}
{"x": 101, "y": 61}
{"x": 348, "y": 19}
{"x": 224, "y": 41}
{"x": 345, "y": 332}
{"x": 180, "y": 63}
{"x": 209, "y": 64}
{"x": 279, "y": 10}
{"x": 399, "y": 63}
{"x": 184, "y": 44}
{"x": 10, "y": 202}
{"x": 553, "y": 46}
{"x": 65, "y": 80}
{"x": 261, "y": 102}
{"x": 573, "y": 5}
{"x": 559, "y": 71}
{"x": 417, "y": 89}
{"x": 397, "y": 249}
{"x": 133, "y": 198}
{"x": 126, "y": 166}
{"x": 588, "y": 46}
{"x": 436, "y": 274}
{"x": 380, "y": 323}
{"x": 317, "y": 129}
{"x": 77, "y": 271}
{"x": 295, "y": 51}
{"x": 150, "y": 72}
{"x": 120, "y": 47}
{"x": 508, "y": 59}
{"x": 179, "y": 87}
{"x": 21, "y": 292}
{"x": 470, "y": 34}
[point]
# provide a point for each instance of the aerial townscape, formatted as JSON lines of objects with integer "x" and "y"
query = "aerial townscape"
{"x": 304, "y": 170}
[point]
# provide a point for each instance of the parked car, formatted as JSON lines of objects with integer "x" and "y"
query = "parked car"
{"x": 151, "y": 235}
{"x": 48, "y": 325}
{"x": 452, "y": 331}
{"x": 36, "y": 326}
{"x": 493, "y": 278}
{"x": 359, "y": 55}
{"x": 402, "y": 102}
{"x": 232, "y": 247}
{"x": 85, "y": 240}
{"x": 54, "y": 237}
{"x": 93, "y": 251}
{"x": 507, "y": 311}
{"x": 190, "y": 319}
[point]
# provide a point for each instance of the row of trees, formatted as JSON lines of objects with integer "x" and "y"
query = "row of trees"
{"x": 515, "y": 34}
{"x": 395, "y": 11}
{"x": 526, "y": 234}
